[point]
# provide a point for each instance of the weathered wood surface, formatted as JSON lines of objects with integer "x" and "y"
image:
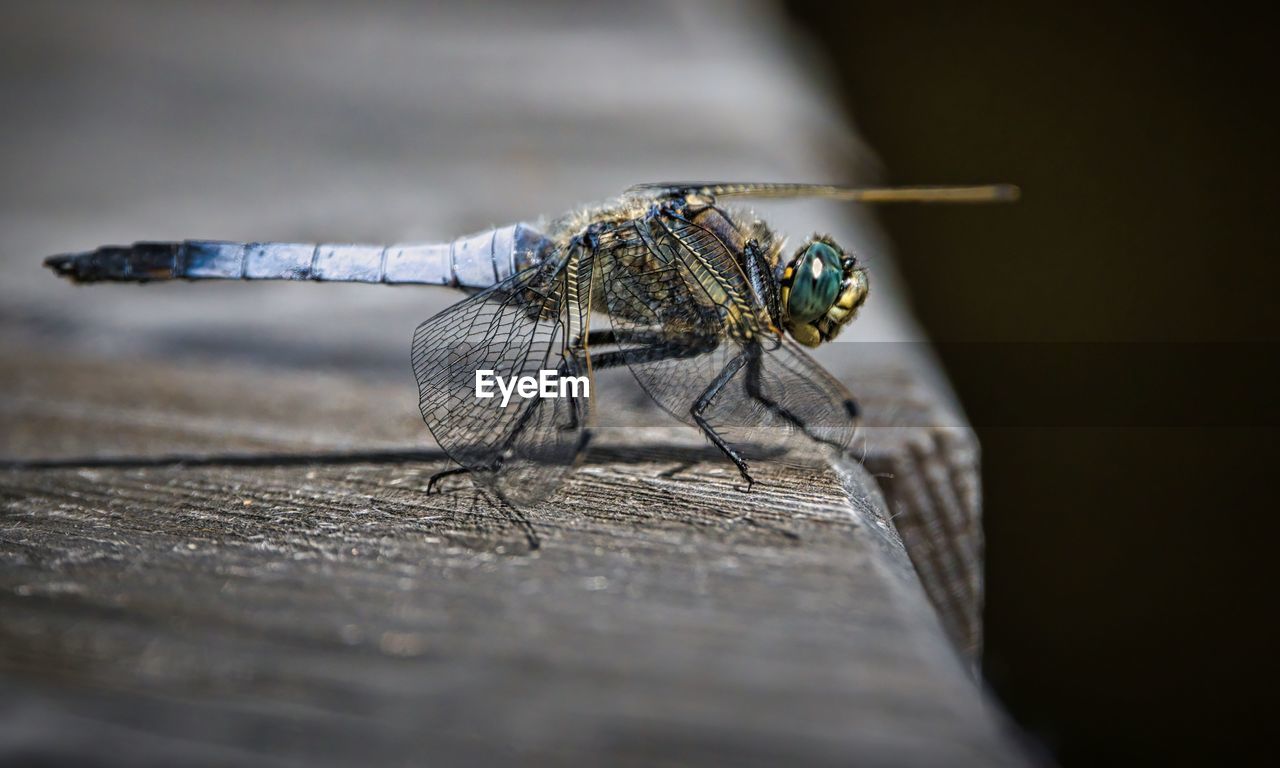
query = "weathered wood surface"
{"x": 214, "y": 544}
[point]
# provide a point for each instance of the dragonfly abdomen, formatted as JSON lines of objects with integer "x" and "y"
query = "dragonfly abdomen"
{"x": 475, "y": 261}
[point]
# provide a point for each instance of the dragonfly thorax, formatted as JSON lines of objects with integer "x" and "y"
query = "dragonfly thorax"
{"x": 820, "y": 291}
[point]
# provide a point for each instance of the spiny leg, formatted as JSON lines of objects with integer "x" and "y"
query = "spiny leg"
{"x": 651, "y": 340}
{"x": 652, "y": 346}
{"x": 602, "y": 361}
{"x": 442, "y": 474}
{"x": 704, "y": 401}
{"x": 757, "y": 272}
{"x": 512, "y": 514}
{"x": 644, "y": 336}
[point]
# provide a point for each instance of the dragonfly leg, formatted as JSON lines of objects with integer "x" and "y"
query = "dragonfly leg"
{"x": 625, "y": 336}
{"x": 567, "y": 366}
{"x": 603, "y": 360}
{"x": 704, "y": 401}
{"x": 758, "y": 277}
{"x": 756, "y": 391}
{"x": 657, "y": 346}
{"x": 437, "y": 477}
{"x": 514, "y": 514}
{"x": 564, "y": 369}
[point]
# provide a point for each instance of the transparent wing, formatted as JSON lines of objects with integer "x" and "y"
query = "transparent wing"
{"x": 823, "y": 409}
{"x": 687, "y": 321}
{"x": 978, "y": 193}
{"x": 522, "y": 326}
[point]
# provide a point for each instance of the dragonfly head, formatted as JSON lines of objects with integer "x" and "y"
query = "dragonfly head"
{"x": 821, "y": 289}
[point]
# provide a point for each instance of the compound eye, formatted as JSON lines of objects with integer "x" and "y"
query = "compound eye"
{"x": 815, "y": 284}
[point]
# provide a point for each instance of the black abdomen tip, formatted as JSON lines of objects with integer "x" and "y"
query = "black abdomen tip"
{"x": 64, "y": 265}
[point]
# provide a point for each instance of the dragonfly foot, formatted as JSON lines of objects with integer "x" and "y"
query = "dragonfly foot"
{"x": 437, "y": 477}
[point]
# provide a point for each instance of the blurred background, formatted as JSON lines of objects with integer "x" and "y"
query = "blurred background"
{"x": 1113, "y": 339}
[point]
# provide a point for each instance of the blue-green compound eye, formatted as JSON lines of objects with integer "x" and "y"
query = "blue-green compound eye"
{"x": 815, "y": 283}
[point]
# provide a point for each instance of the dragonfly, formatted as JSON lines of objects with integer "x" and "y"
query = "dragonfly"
{"x": 694, "y": 296}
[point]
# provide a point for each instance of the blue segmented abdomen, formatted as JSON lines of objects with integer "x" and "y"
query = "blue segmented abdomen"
{"x": 475, "y": 261}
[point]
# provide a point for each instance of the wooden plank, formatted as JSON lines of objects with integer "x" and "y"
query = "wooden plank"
{"x": 666, "y": 614}
{"x": 926, "y": 460}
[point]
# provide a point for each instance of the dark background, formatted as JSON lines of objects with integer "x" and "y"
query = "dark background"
{"x": 1112, "y": 338}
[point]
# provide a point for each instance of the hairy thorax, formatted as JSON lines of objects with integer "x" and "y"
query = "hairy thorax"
{"x": 655, "y": 242}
